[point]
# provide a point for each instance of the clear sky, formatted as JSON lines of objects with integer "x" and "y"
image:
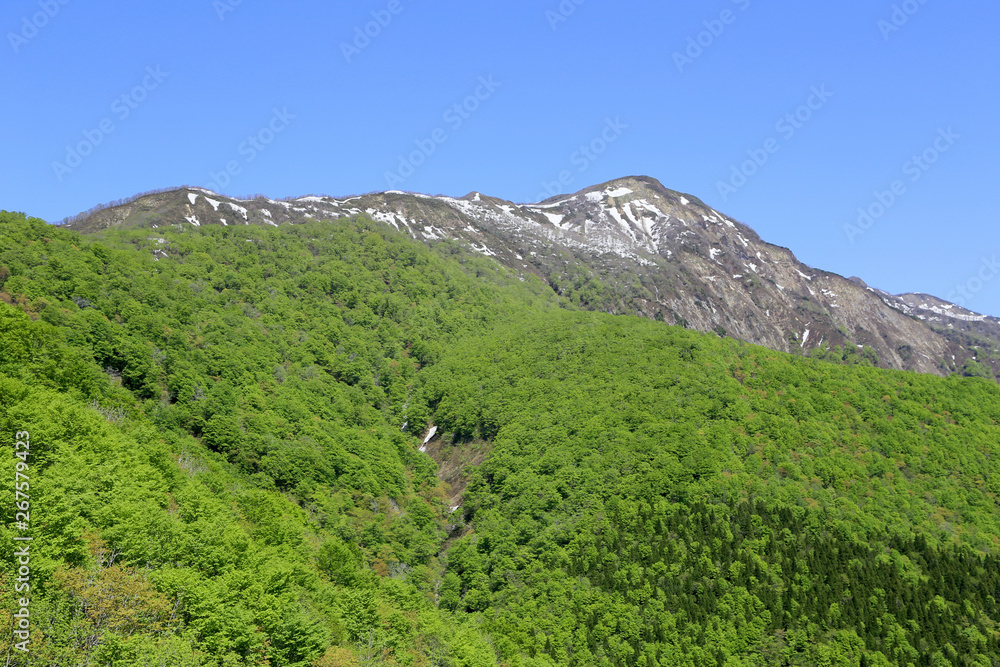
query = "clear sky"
{"x": 788, "y": 116}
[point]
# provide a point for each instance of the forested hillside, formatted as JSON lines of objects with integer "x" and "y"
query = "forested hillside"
{"x": 226, "y": 469}
{"x": 659, "y": 497}
{"x": 631, "y": 246}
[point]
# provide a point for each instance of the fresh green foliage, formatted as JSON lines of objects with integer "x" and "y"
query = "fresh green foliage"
{"x": 222, "y": 420}
{"x": 225, "y": 469}
{"x": 659, "y": 497}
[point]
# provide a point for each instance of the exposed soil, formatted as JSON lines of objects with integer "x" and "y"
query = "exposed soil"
{"x": 455, "y": 461}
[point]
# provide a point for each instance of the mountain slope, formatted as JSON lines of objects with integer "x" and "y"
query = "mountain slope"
{"x": 227, "y": 458}
{"x": 660, "y": 497}
{"x": 632, "y": 246}
{"x": 224, "y": 463}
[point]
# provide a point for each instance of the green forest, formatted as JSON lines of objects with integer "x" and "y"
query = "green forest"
{"x": 226, "y": 469}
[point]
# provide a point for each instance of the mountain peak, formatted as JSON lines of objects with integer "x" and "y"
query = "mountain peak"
{"x": 629, "y": 245}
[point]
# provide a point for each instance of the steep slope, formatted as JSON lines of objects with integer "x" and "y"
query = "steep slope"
{"x": 224, "y": 466}
{"x": 656, "y": 496}
{"x": 228, "y": 468}
{"x": 632, "y": 246}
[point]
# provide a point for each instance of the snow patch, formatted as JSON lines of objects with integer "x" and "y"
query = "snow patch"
{"x": 946, "y": 312}
{"x": 381, "y": 216}
{"x": 558, "y": 203}
{"x": 239, "y": 209}
{"x": 726, "y": 221}
{"x": 618, "y": 218}
{"x": 630, "y": 215}
{"x": 652, "y": 209}
{"x": 483, "y": 250}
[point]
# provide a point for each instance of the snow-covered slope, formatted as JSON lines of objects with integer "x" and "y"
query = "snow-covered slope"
{"x": 632, "y": 246}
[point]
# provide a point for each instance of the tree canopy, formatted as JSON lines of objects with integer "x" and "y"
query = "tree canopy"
{"x": 226, "y": 468}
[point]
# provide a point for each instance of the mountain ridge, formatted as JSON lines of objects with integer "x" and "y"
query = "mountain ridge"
{"x": 633, "y": 246}
{"x": 359, "y": 445}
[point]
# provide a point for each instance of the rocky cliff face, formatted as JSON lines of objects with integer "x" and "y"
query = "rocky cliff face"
{"x": 632, "y": 246}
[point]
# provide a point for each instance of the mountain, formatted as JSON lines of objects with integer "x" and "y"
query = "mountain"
{"x": 632, "y": 246}
{"x": 333, "y": 445}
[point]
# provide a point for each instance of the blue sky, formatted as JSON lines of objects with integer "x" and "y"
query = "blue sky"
{"x": 787, "y": 116}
